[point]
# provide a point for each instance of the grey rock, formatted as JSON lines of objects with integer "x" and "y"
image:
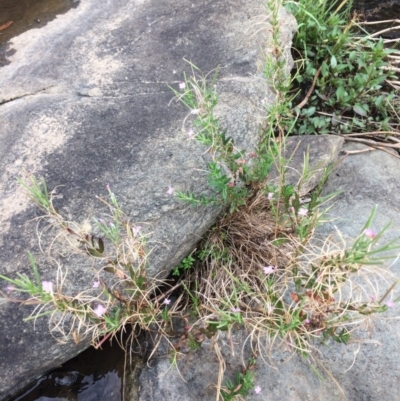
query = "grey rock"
{"x": 195, "y": 375}
{"x": 320, "y": 151}
{"x": 84, "y": 102}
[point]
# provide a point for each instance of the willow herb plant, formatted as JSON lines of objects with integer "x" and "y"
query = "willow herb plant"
{"x": 121, "y": 294}
{"x": 257, "y": 267}
{"x": 260, "y": 268}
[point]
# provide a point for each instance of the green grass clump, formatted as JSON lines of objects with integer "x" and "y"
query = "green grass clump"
{"x": 342, "y": 74}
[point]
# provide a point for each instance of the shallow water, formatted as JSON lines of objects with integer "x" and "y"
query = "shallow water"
{"x": 94, "y": 375}
{"x": 378, "y": 10}
{"x": 17, "y": 16}
{"x": 28, "y": 14}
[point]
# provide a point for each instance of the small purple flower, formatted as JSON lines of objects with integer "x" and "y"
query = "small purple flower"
{"x": 182, "y": 85}
{"x": 269, "y": 269}
{"x": 370, "y": 233}
{"x": 270, "y": 196}
{"x": 302, "y": 212}
{"x": 100, "y": 310}
{"x": 291, "y": 209}
{"x": 257, "y": 390}
{"x": 108, "y": 187}
{"x": 47, "y": 286}
{"x": 166, "y": 301}
{"x": 190, "y": 133}
{"x": 235, "y": 309}
{"x": 307, "y": 321}
{"x": 373, "y": 298}
{"x": 10, "y": 288}
{"x": 170, "y": 191}
{"x": 96, "y": 284}
{"x": 136, "y": 230}
{"x": 390, "y": 303}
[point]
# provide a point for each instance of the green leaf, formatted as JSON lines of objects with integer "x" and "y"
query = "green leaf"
{"x": 340, "y": 93}
{"x": 101, "y": 246}
{"x": 358, "y": 109}
{"x": 94, "y": 252}
{"x": 35, "y": 270}
{"x": 309, "y": 112}
{"x": 352, "y": 56}
{"x": 325, "y": 70}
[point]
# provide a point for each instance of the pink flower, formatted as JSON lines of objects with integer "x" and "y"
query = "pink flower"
{"x": 182, "y": 85}
{"x": 270, "y": 196}
{"x": 390, "y": 303}
{"x": 307, "y": 321}
{"x": 190, "y": 133}
{"x": 231, "y": 184}
{"x": 235, "y": 309}
{"x": 269, "y": 269}
{"x": 291, "y": 209}
{"x": 10, "y": 288}
{"x": 100, "y": 310}
{"x": 47, "y": 286}
{"x": 96, "y": 284}
{"x": 170, "y": 191}
{"x": 257, "y": 390}
{"x": 302, "y": 212}
{"x": 166, "y": 301}
{"x": 136, "y": 230}
{"x": 373, "y": 298}
{"x": 370, "y": 233}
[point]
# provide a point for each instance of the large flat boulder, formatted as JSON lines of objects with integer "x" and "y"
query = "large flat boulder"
{"x": 84, "y": 102}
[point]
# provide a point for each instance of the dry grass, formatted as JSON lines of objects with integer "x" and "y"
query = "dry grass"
{"x": 311, "y": 291}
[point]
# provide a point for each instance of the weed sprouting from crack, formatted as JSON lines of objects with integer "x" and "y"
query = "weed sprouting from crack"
{"x": 121, "y": 293}
{"x": 261, "y": 266}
